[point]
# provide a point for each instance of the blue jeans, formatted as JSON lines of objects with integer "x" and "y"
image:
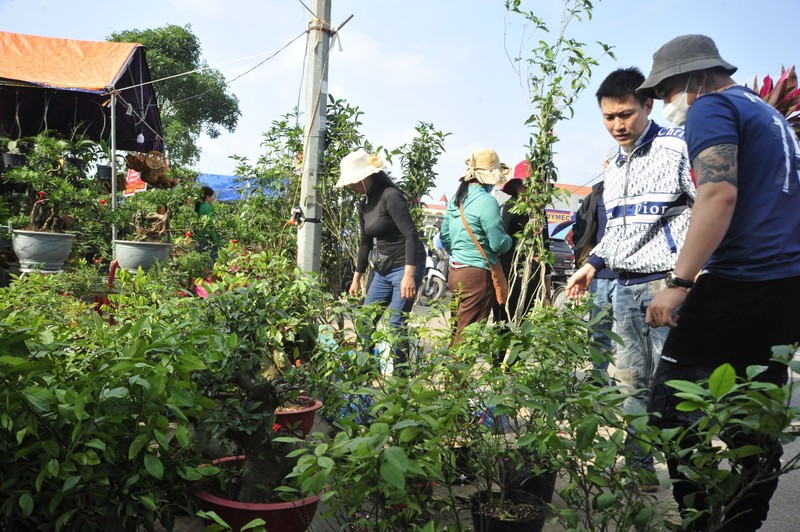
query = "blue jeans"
{"x": 385, "y": 289}
{"x": 640, "y": 351}
{"x": 604, "y": 291}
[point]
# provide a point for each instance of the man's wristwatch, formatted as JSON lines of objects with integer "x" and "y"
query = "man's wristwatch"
{"x": 673, "y": 280}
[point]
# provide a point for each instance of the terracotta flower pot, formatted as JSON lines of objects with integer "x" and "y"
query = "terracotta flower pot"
{"x": 297, "y": 421}
{"x": 291, "y": 516}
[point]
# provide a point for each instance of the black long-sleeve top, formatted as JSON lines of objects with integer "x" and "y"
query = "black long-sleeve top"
{"x": 384, "y": 217}
{"x": 514, "y": 224}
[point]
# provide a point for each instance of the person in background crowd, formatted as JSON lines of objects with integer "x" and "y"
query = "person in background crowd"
{"x": 538, "y": 287}
{"x": 389, "y": 234}
{"x": 209, "y": 239}
{"x": 648, "y": 194}
{"x": 469, "y": 272}
{"x": 735, "y": 289}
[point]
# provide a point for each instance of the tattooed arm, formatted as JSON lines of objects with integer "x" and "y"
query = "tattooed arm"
{"x": 715, "y": 170}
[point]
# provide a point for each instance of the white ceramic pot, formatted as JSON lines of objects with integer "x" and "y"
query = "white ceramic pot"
{"x": 130, "y": 255}
{"x": 41, "y": 251}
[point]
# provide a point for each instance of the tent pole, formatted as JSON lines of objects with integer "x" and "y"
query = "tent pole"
{"x": 113, "y": 165}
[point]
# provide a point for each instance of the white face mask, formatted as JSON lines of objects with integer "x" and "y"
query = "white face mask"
{"x": 676, "y": 110}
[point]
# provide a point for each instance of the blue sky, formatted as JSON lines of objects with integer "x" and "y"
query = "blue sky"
{"x": 439, "y": 61}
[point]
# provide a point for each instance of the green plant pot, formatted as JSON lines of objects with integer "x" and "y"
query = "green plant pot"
{"x": 41, "y": 251}
{"x": 131, "y": 255}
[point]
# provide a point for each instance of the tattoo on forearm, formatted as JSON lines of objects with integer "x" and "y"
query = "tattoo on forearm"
{"x": 717, "y": 164}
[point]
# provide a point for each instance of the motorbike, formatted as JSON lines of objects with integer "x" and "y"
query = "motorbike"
{"x": 434, "y": 283}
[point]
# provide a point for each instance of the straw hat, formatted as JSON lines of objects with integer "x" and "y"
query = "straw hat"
{"x": 357, "y": 166}
{"x": 687, "y": 53}
{"x": 484, "y": 166}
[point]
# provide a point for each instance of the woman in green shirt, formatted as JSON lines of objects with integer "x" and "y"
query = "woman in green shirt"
{"x": 207, "y": 235}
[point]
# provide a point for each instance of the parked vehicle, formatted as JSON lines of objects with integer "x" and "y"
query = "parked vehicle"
{"x": 564, "y": 261}
{"x": 434, "y": 283}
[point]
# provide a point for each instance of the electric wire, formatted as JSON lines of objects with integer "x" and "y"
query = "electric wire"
{"x": 307, "y": 8}
{"x": 228, "y": 82}
{"x": 216, "y": 67}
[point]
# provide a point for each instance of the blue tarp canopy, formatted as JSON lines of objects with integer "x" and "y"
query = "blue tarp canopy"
{"x": 227, "y": 188}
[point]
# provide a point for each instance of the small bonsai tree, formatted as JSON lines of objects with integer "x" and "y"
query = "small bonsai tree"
{"x": 266, "y": 313}
{"x": 56, "y": 197}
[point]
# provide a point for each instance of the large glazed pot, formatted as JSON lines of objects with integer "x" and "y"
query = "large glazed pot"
{"x": 41, "y": 251}
{"x": 291, "y": 516}
{"x": 130, "y": 255}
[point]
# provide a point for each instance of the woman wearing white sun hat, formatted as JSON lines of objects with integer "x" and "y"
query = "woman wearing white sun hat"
{"x": 388, "y": 231}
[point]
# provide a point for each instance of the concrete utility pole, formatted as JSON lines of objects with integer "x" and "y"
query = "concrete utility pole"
{"x": 309, "y": 234}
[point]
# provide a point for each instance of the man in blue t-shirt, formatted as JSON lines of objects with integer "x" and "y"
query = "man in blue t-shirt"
{"x": 736, "y": 283}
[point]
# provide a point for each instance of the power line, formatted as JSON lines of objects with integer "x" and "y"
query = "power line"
{"x": 307, "y": 8}
{"x": 201, "y": 69}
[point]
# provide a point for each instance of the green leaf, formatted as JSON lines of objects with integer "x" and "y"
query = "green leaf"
{"x": 605, "y": 500}
{"x": 392, "y": 475}
{"x": 39, "y": 399}
{"x": 148, "y": 503}
{"x": 686, "y": 386}
{"x": 397, "y": 458}
{"x": 585, "y": 433}
{"x": 25, "y": 503}
{"x": 161, "y": 439}
{"x": 325, "y": 462}
{"x": 53, "y": 467}
{"x": 182, "y": 436}
{"x": 644, "y": 519}
{"x": 137, "y": 445}
{"x": 212, "y": 516}
{"x": 688, "y": 406}
{"x": 256, "y": 524}
{"x": 71, "y": 482}
{"x": 64, "y": 518}
{"x": 154, "y": 466}
{"x": 722, "y": 381}
{"x": 189, "y": 362}
{"x": 755, "y": 370}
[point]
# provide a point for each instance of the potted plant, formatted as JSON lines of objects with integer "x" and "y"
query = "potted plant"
{"x": 13, "y": 155}
{"x": 53, "y": 201}
{"x": 503, "y": 426}
{"x": 143, "y": 223}
{"x": 524, "y": 410}
{"x": 266, "y": 313}
{"x": 103, "y": 167}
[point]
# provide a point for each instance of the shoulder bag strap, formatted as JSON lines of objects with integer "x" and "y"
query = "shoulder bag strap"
{"x": 466, "y": 225}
